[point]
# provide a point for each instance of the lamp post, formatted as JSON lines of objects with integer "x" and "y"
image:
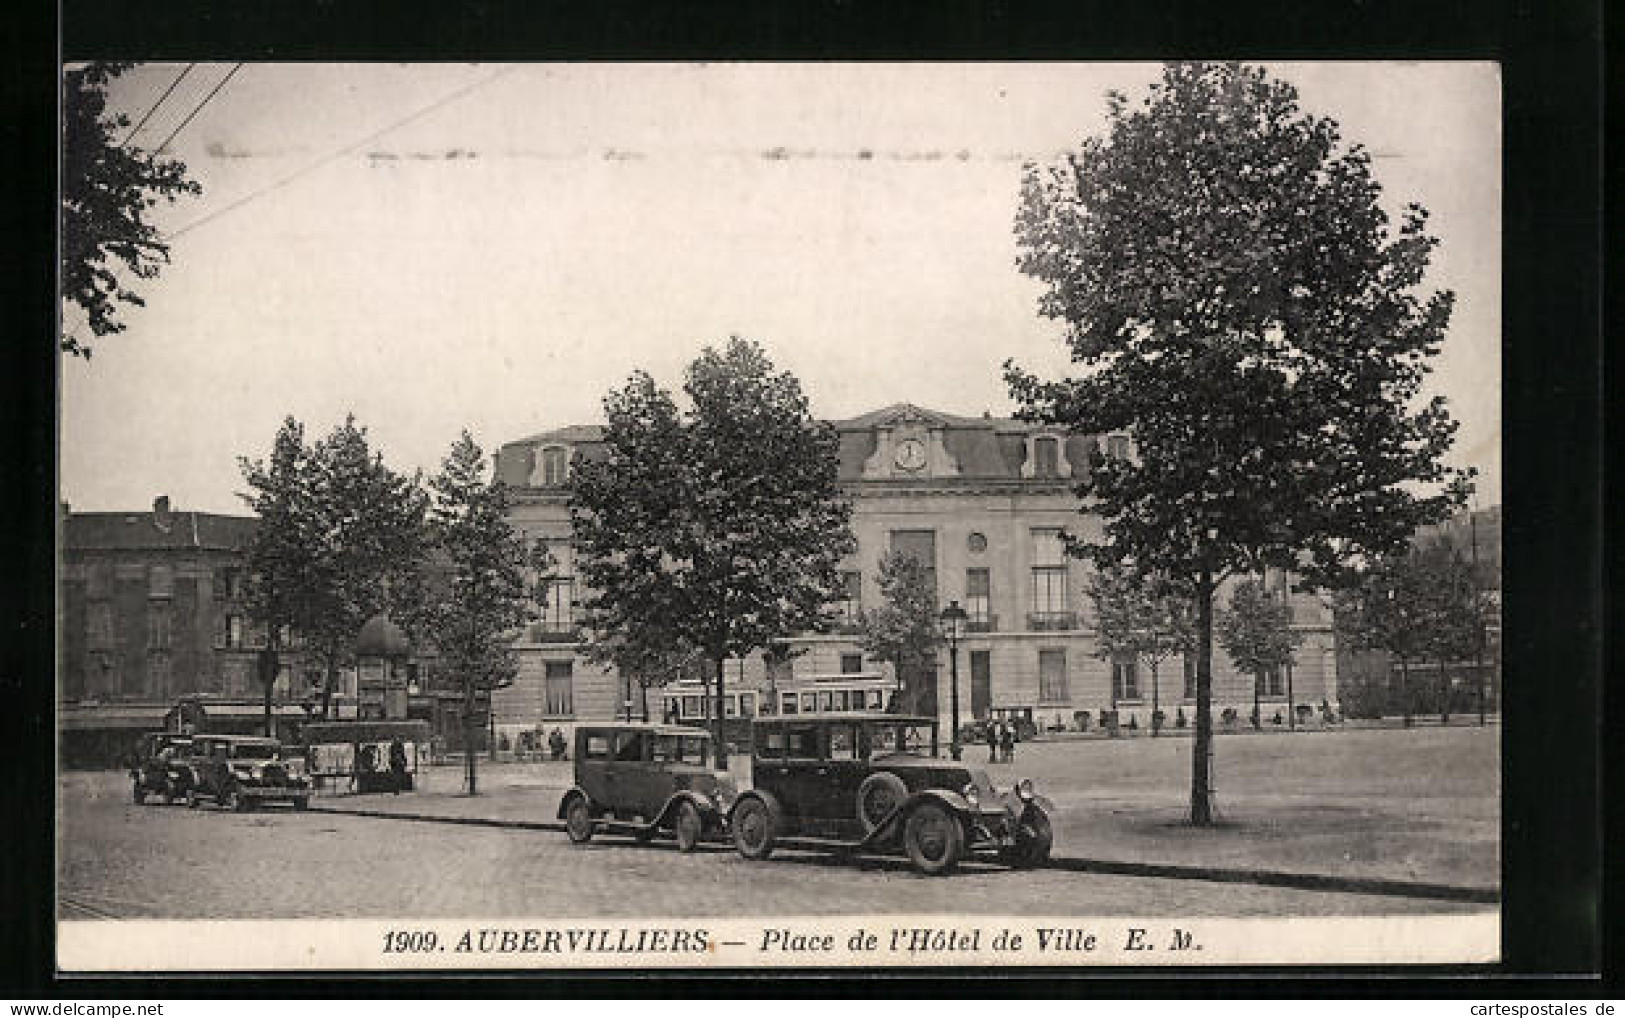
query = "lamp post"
{"x": 953, "y": 617}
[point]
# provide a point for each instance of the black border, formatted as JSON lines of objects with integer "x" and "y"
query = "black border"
{"x": 1551, "y": 59}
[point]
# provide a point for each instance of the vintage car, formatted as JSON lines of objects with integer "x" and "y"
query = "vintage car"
{"x": 160, "y": 767}
{"x": 241, "y": 771}
{"x": 645, "y": 779}
{"x": 876, "y": 784}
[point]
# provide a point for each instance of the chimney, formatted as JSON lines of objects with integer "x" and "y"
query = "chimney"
{"x": 160, "y": 512}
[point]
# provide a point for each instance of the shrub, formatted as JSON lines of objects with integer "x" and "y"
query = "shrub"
{"x": 1229, "y": 717}
{"x": 1277, "y": 719}
{"x": 1082, "y": 719}
{"x": 1158, "y": 719}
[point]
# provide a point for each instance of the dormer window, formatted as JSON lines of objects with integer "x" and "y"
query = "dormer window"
{"x": 1046, "y": 457}
{"x": 552, "y": 467}
{"x": 1117, "y": 447}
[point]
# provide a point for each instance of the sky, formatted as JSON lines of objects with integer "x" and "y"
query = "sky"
{"x": 435, "y": 247}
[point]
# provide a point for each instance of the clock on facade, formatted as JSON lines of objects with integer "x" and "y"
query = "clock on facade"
{"x": 911, "y": 454}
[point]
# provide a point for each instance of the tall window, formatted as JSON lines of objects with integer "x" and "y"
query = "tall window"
{"x": 558, "y": 594}
{"x": 560, "y": 691}
{"x": 1052, "y": 687}
{"x": 978, "y": 595}
{"x": 1126, "y": 680}
{"x": 920, "y": 545}
{"x": 1117, "y": 447}
{"x": 1269, "y": 682}
{"x": 851, "y": 599}
{"x": 1049, "y": 581}
{"x": 158, "y": 625}
{"x": 158, "y": 669}
{"x": 161, "y": 582}
{"x": 851, "y": 664}
{"x": 555, "y": 466}
{"x": 234, "y": 632}
{"x": 1046, "y": 457}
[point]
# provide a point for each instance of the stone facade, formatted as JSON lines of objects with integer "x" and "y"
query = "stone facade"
{"x": 979, "y": 500}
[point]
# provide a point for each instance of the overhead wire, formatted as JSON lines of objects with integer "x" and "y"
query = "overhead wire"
{"x": 154, "y": 108}
{"x": 339, "y": 153}
{"x": 198, "y": 108}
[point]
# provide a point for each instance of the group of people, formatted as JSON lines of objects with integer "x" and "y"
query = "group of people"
{"x": 1001, "y": 742}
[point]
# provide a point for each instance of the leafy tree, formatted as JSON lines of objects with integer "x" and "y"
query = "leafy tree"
{"x": 1452, "y": 610}
{"x": 647, "y": 653}
{"x": 1235, "y": 299}
{"x": 1134, "y": 621}
{"x": 1256, "y": 631}
{"x": 903, "y": 630}
{"x": 279, "y": 555}
{"x": 726, "y": 522}
{"x": 346, "y": 540}
{"x": 107, "y": 190}
{"x": 476, "y": 614}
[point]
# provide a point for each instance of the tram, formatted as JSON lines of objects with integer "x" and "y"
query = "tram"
{"x": 693, "y": 703}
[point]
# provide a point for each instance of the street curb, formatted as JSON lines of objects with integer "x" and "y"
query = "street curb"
{"x": 1267, "y": 878}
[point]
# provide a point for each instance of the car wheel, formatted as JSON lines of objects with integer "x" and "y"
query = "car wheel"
{"x": 578, "y": 820}
{"x": 688, "y": 827}
{"x": 1033, "y": 839}
{"x": 753, "y": 829}
{"x": 933, "y": 838}
{"x": 880, "y": 794}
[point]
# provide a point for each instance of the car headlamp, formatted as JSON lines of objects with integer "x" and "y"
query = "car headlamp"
{"x": 969, "y": 792}
{"x": 1024, "y": 789}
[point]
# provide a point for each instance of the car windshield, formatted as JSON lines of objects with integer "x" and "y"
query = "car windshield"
{"x": 253, "y": 751}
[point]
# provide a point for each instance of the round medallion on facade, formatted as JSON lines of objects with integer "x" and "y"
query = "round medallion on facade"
{"x": 976, "y": 543}
{"x": 911, "y": 454}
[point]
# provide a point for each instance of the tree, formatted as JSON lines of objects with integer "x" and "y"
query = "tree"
{"x": 1237, "y": 302}
{"x": 1134, "y": 622}
{"x": 348, "y": 538}
{"x": 279, "y": 555}
{"x": 647, "y": 652}
{"x": 725, "y": 522}
{"x": 486, "y": 599}
{"x": 1257, "y": 633}
{"x": 1452, "y": 611}
{"x": 903, "y": 630}
{"x": 107, "y": 188}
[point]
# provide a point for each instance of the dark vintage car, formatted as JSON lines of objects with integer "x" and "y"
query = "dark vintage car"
{"x": 160, "y": 766}
{"x": 643, "y": 780}
{"x": 242, "y": 771}
{"x": 877, "y": 784}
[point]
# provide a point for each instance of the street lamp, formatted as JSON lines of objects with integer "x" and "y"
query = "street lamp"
{"x": 953, "y": 617}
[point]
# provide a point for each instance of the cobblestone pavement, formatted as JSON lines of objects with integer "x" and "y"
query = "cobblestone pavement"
{"x": 120, "y": 860}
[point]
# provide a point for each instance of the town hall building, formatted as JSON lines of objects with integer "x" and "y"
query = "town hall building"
{"x": 981, "y": 502}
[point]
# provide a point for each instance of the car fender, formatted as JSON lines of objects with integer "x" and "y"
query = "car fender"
{"x": 564, "y": 801}
{"x": 708, "y": 810}
{"x": 955, "y": 803}
{"x": 767, "y": 798}
{"x": 1042, "y": 803}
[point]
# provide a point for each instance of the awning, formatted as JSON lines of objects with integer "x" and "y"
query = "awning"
{"x": 122, "y": 717}
{"x": 249, "y": 711}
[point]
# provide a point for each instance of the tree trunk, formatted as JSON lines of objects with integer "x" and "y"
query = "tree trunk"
{"x": 1291, "y": 702}
{"x": 1444, "y": 694}
{"x": 269, "y": 666}
{"x": 328, "y": 679}
{"x": 1202, "y": 748}
{"x": 469, "y": 774}
{"x": 716, "y": 722}
{"x": 1405, "y": 688}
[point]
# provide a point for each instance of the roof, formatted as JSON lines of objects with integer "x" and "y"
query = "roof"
{"x": 567, "y": 435}
{"x": 642, "y": 726}
{"x": 246, "y": 740}
{"x": 381, "y": 637}
{"x": 140, "y": 531}
{"x": 875, "y": 716}
{"x": 77, "y": 718}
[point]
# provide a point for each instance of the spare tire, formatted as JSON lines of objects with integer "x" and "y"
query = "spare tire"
{"x": 880, "y": 794}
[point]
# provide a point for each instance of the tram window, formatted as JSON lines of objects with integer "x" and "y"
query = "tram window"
{"x": 789, "y": 700}
{"x": 730, "y": 706}
{"x": 801, "y": 742}
{"x": 691, "y": 706}
{"x": 809, "y": 703}
{"x": 747, "y": 704}
{"x": 828, "y": 700}
{"x": 876, "y": 700}
{"x": 597, "y": 747}
{"x": 772, "y": 742}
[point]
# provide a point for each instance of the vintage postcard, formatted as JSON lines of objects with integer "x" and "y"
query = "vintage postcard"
{"x": 570, "y": 516}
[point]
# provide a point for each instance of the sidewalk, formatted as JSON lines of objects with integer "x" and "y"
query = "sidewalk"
{"x": 1375, "y": 805}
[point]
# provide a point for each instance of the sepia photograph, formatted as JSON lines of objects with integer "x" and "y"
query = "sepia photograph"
{"x": 570, "y": 516}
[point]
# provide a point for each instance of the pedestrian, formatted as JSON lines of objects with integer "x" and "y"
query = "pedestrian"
{"x": 555, "y": 742}
{"x": 992, "y": 742}
{"x": 397, "y": 765}
{"x": 1007, "y": 742}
